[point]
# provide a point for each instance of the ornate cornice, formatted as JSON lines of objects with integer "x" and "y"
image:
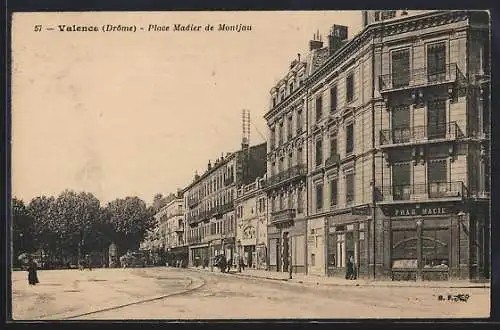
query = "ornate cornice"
{"x": 384, "y": 29}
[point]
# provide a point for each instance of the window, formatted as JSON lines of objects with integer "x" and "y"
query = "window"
{"x": 333, "y": 144}
{"x": 290, "y": 160}
{"x": 435, "y": 248}
{"x": 274, "y": 101}
{"x": 319, "y": 107}
{"x": 387, "y": 14}
{"x": 313, "y": 259}
{"x": 401, "y": 124}
{"x": 436, "y": 122}
{"x": 350, "y": 87}
{"x": 436, "y": 62}
{"x": 282, "y": 201}
{"x": 299, "y": 121}
{"x": 280, "y": 132}
{"x": 289, "y": 127}
{"x": 401, "y": 176}
{"x": 400, "y": 68}
{"x": 299, "y": 156}
{"x": 349, "y": 182}
{"x": 282, "y": 95}
{"x": 349, "y": 132}
{"x": 291, "y": 88}
{"x": 319, "y": 197}
{"x": 333, "y": 192}
{"x": 437, "y": 177}
{"x": 333, "y": 99}
{"x": 319, "y": 153}
{"x": 299, "y": 201}
{"x": 290, "y": 200}
{"x": 281, "y": 165}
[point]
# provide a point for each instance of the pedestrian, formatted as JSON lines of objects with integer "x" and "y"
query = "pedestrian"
{"x": 349, "y": 268}
{"x": 88, "y": 261}
{"x": 32, "y": 272}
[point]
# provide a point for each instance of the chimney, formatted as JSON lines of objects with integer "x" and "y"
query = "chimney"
{"x": 337, "y": 35}
{"x": 316, "y": 43}
{"x": 209, "y": 167}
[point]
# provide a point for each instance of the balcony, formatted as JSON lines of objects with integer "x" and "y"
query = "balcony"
{"x": 332, "y": 160}
{"x": 420, "y": 134}
{"x": 420, "y": 77}
{"x": 290, "y": 174}
{"x": 282, "y": 216}
{"x": 424, "y": 191}
{"x": 221, "y": 209}
{"x": 228, "y": 181}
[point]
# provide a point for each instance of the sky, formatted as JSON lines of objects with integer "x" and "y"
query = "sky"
{"x": 134, "y": 114}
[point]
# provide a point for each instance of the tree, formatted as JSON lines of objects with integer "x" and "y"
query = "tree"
{"x": 41, "y": 209}
{"x": 22, "y": 229}
{"x": 130, "y": 219}
{"x": 73, "y": 219}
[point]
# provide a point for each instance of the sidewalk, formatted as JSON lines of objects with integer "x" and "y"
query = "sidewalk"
{"x": 335, "y": 281}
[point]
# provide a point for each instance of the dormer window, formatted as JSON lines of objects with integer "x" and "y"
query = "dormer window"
{"x": 291, "y": 88}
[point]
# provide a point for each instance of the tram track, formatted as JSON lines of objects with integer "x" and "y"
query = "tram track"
{"x": 195, "y": 283}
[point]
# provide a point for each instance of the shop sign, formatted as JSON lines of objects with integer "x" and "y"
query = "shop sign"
{"x": 420, "y": 211}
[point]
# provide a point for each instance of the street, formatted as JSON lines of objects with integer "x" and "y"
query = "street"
{"x": 171, "y": 293}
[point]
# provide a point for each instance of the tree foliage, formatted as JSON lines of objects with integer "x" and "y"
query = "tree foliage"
{"x": 22, "y": 228}
{"x": 130, "y": 219}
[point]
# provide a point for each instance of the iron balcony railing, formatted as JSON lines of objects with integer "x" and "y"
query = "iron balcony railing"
{"x": 223, "y": 208}
{"x": 283, "y": 215}
{"x": 431, "y": 190}
{"x": 286, "y": 175}
{"x": 449, "y": 131}
{"x": 418, "y": 77}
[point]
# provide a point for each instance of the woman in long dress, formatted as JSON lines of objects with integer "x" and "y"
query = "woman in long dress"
{"x": 32, "y": 272}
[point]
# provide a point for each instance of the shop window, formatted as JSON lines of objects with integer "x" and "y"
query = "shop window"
{"x": 436, "y": 62}
{"x": 435, "y": 248}
{"x": 404, "y": 253}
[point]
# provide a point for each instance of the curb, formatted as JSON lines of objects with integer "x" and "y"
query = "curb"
{"x": 378, "y": 284}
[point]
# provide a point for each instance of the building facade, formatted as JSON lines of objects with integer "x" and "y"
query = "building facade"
{"x": 175, "y": 231}
{"x": 251, "y": 224}
{"x": 395, "y": 147}
{"x": 210, "y": 203}
{"x": 285, "y": 185}
{"x": 432, "y": 126}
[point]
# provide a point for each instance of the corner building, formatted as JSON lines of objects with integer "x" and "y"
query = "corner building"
{"x": 432, "y": 125}
{"x": 396, "y": 148}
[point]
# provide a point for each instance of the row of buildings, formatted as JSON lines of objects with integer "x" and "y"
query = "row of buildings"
{"x": 378, "y": 149}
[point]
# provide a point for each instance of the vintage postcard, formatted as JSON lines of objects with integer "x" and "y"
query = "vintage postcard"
{"x": 250, "y": 165}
